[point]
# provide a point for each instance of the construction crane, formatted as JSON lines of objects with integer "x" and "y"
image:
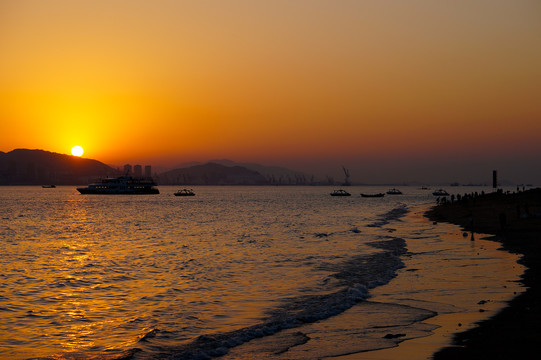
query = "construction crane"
{"x": 346, "y": 172}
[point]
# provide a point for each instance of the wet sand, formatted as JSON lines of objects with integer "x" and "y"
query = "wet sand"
{"x": 490, "y": 312}
{"x": 512, "y": 222}
{"x": 448, "y": 283}
{"x": 515, "y": 221}
{"x": 461, "y": 280}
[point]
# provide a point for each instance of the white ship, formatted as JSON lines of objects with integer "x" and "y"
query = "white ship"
{"x": 124, "y": 185}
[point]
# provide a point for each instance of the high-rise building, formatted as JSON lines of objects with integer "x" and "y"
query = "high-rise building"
{"x": 148, "y": 171}
{"x": 137, "y": 171}
{"x": 127, "y": 169}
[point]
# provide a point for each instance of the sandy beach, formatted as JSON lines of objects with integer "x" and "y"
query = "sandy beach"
{"x": 510, "y": 328}
{"x": 475, "y": 278}
{"x": 514, "y": 220}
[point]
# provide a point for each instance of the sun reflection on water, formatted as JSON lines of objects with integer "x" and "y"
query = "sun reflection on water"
{"x": 82, "y": 275}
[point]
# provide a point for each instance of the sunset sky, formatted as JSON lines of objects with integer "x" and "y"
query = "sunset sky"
{"x": 394, "y": 90}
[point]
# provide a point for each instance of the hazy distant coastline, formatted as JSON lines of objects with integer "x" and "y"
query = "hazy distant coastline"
{"x": 39, "y": 167}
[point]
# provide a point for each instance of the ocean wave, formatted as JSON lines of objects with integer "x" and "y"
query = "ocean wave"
{"x": 391, "y": 215}
{"x": 357, "y": 276}
{"x": 299, "y": 311}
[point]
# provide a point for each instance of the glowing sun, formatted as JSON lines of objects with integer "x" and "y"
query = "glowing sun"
{"x": 77, "y": 151}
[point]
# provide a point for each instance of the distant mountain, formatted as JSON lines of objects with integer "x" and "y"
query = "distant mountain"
{"x": 190, "y": 163}
{"x": 39, "y": 167}
{"x": 274, "y": 175}
{"x": 211, "y": 174}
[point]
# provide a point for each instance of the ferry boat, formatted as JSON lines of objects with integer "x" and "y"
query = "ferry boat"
{"x": 123, "y": 185}
{"x": 340, "y": 193}
{"x": 185, "y": 192}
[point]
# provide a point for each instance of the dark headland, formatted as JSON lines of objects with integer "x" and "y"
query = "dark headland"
{"x": 514, "y": 219}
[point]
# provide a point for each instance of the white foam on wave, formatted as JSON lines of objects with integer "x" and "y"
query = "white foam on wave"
{"x": 356, "y": 276}
{"x": 392, "y": 215}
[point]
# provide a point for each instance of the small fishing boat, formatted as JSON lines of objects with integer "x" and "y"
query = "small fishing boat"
{"x": 48, "y": 186}
{"x": 440, "y": 192}
{"x": 373, "y": 195}
{"x": 185, "y": 192}
{"x": 394, "y": 191}
{"x": 340, "y": 193}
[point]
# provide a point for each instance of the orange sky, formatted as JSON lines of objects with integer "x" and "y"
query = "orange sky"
{"x": 278, "y": 82}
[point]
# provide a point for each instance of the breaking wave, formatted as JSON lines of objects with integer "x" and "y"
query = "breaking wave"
{"x": 392, "y": 215}
{"x": 356, "y": 276}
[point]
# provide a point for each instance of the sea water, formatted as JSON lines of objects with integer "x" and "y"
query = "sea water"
{"x": 237, "y": 272}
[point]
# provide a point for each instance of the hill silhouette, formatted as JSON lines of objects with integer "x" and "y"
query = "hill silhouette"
{"x": 39, "y": 167}
{"x": 212, "y": 174}
{"x": 275, "y": 175}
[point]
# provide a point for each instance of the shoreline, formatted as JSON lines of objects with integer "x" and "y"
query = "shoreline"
{"x": 471, "y": 265}
{"x": 514, "y": 221}
{"x": 427, "y": 309}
